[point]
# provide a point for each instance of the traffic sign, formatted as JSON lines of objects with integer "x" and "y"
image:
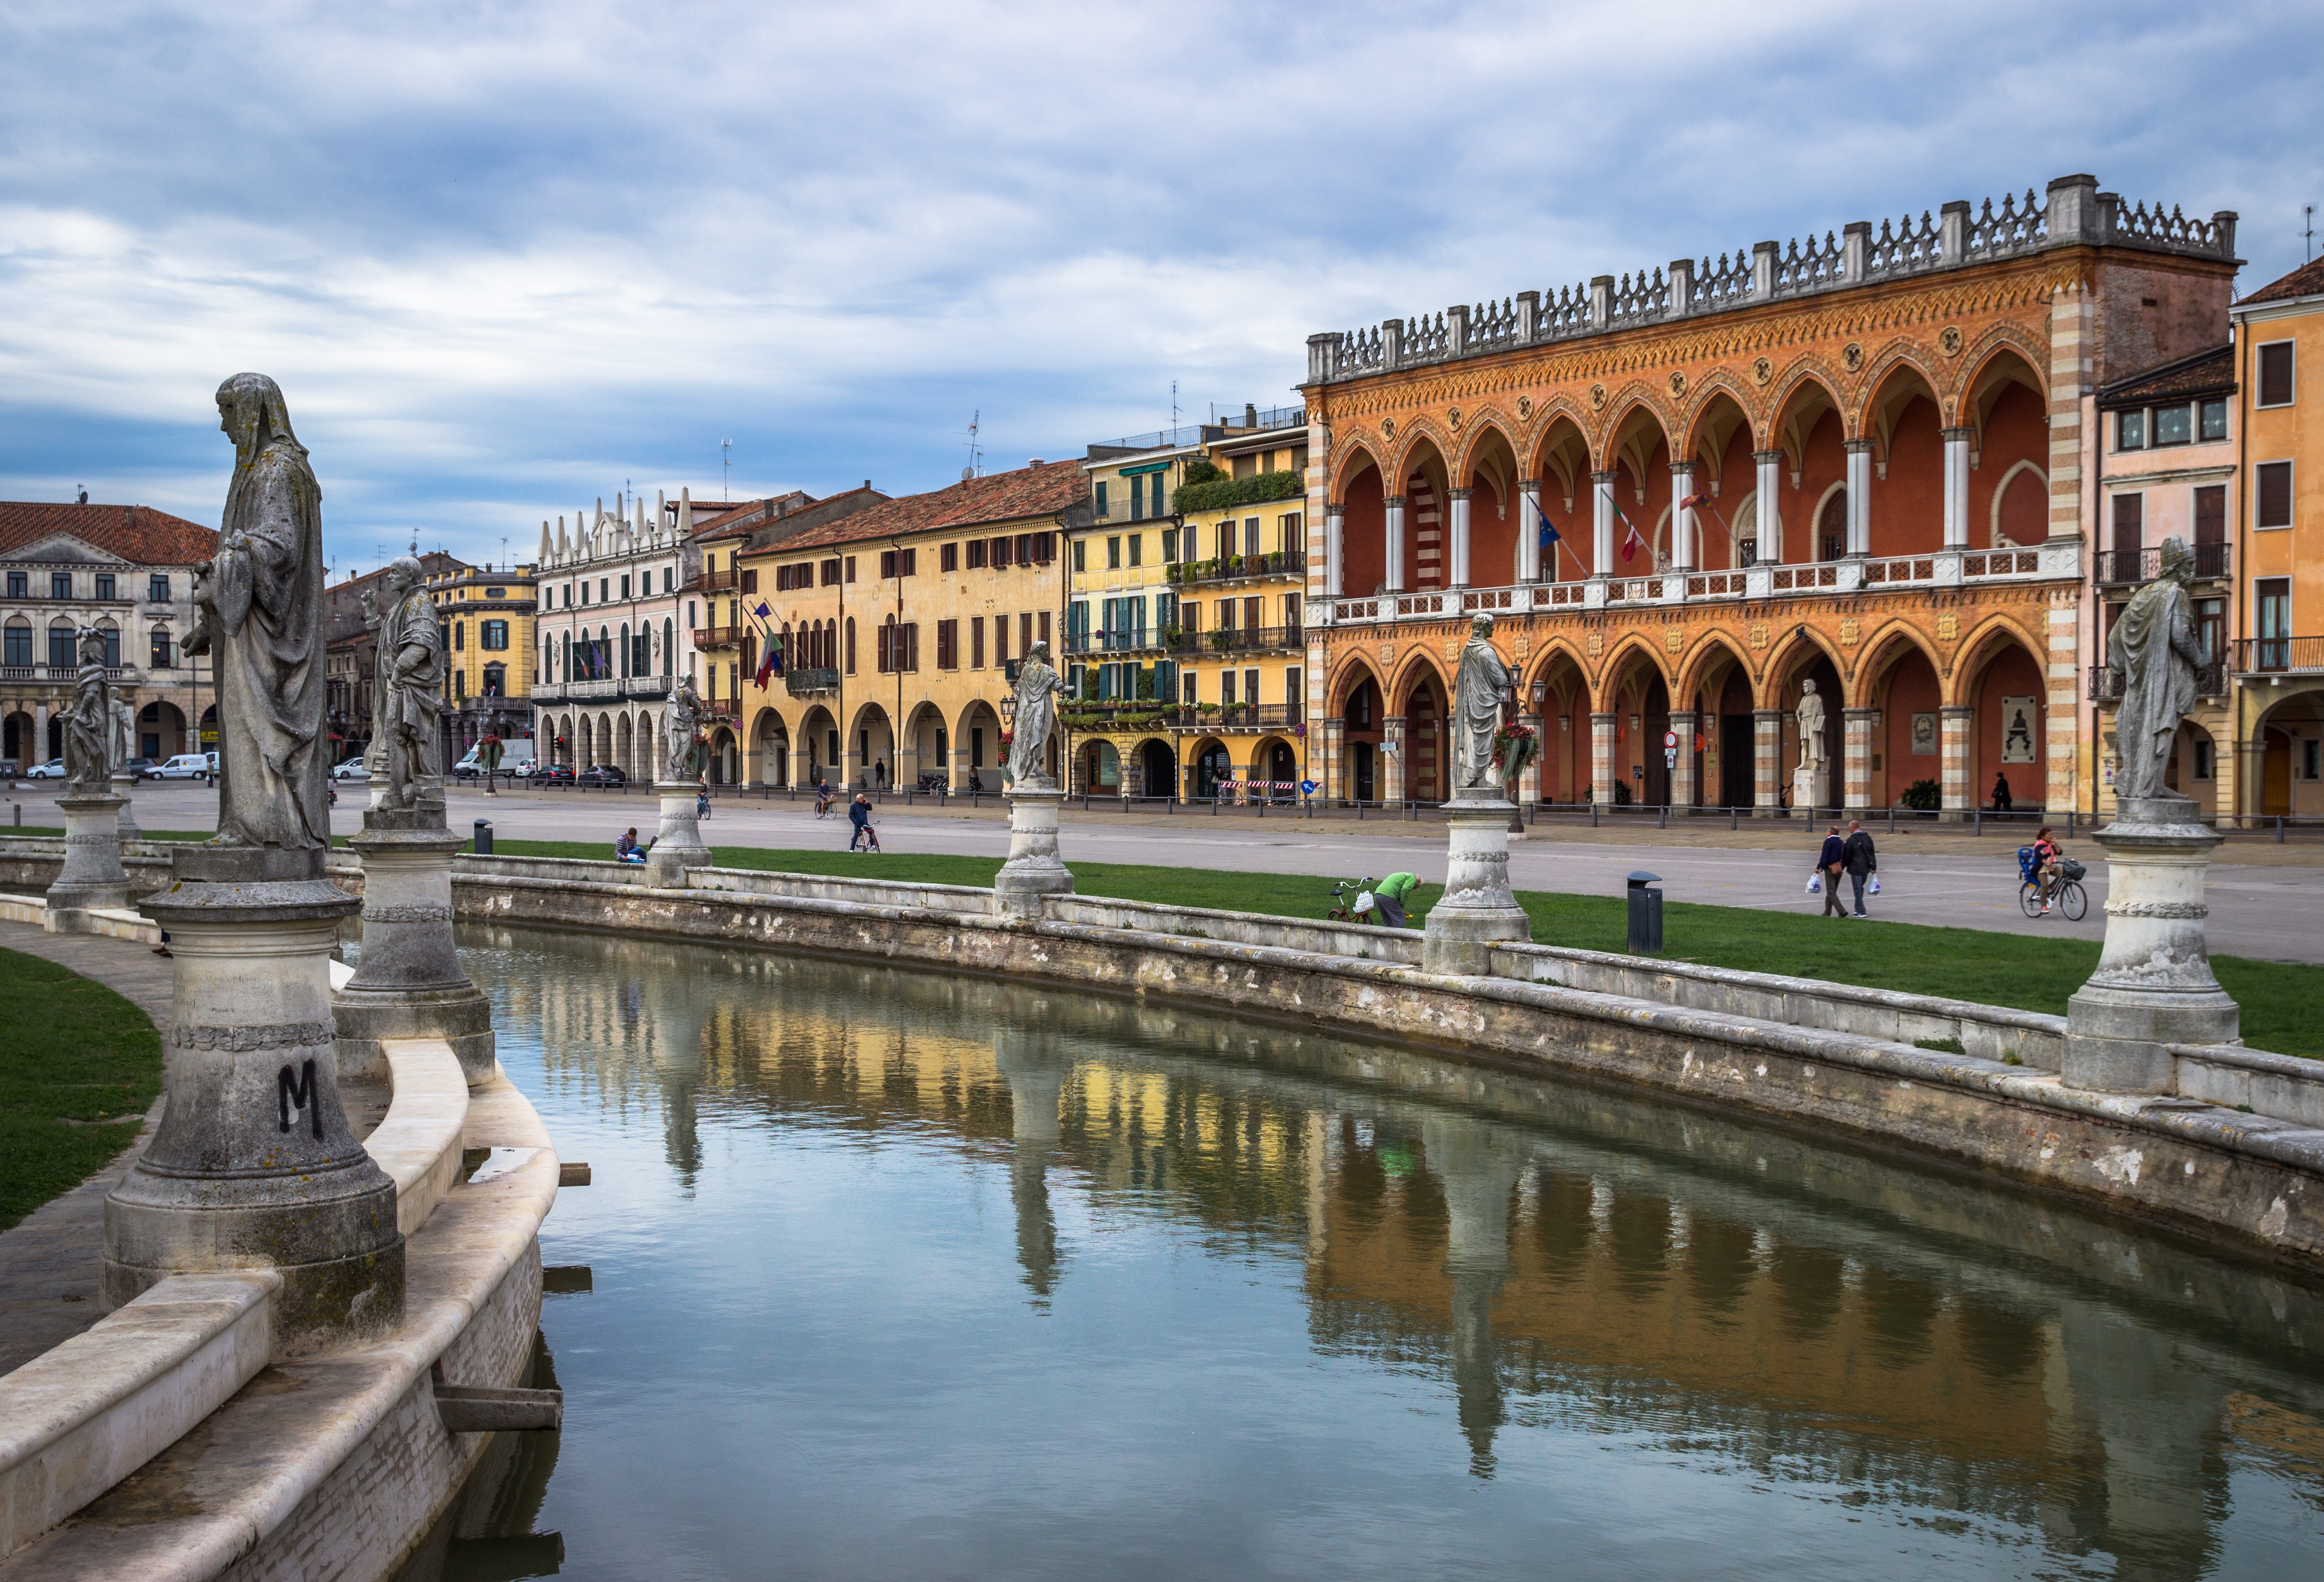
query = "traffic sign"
{"x": 1670, "y": 739}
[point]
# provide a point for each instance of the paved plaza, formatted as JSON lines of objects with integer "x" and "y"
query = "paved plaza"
{"x": 2266, "y": 899}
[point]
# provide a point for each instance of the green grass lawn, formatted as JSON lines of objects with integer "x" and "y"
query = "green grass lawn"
{"x": 1966, "y": 963}
{"x": 71, "y": 1050}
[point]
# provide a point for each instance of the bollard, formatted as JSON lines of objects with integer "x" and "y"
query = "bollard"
{"x": 484, "y": 837}
{"x": 20, "y": 815}
{"x": 1646, "y": 914}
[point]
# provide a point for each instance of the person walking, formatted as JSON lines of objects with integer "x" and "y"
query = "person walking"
{"x": 1391, "y": 895}
{"x": 859, "y": 813}
{"x": 1857, "y": 857}
{"x": 2001, "y": 802}
{"x": 1830, "y": 862}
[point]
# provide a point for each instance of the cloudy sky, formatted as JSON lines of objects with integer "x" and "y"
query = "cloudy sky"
{"x": 508, "y": 258}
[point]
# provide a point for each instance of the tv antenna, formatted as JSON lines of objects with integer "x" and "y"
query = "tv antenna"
{"x": 504, "y": 560}
{"x": 2310, "y": 252}
{"x": 975, "y": 468}
{"x": 726, "y": 454}
{"x": 1173, "y": 409}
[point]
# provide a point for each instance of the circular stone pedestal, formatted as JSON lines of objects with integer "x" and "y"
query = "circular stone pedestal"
{"x": 2154, "y": 985}
{"x": 93, "y": 876}
{"x": 678, "y": 845}
{"x": 1479, "y": 909}
{"x": 1033, "y": 868}
{"x": 253, "y": 1165}
{"x": 410, "y": 983}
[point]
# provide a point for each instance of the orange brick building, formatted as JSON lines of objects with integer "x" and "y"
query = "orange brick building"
{"x": 1864, "y": 459}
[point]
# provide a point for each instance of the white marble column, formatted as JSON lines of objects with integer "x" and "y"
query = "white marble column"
{"x": 1860, "y": 497}
{"x": 1529, "y": 557}
{"x": 1460, "y": 538}
{"x": 1334, "y": 528}
{"x": 1601, "y": 524}
{"x": 1394, "y": 579}
{"x": 1682, "y": 535}
{"x": 1391, "y": 769}
{"x": 1601, "y": 759}
{"x": 1683, "y": 791}
{"x": 1956, "y": 443}
{"x": 1770, "y": 504}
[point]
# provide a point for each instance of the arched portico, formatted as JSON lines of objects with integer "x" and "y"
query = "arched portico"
{"x": 871, "y": 749}
{"x": 770, "y": 748}
{"x": 976, "y": 748}
{"x": 1418, "y": 743}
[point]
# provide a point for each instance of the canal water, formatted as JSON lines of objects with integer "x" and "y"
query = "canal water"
{"x": 893, "y": 1274}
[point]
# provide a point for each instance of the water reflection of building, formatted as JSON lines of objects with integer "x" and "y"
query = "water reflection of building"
{"x": 1730, "y": 1294}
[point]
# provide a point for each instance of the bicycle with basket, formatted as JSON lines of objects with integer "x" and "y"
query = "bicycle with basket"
{"x": 2068, "y": 897}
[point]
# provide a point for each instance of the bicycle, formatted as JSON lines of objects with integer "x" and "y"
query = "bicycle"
{"x": 2067, "y": 897}
{"x": 702, "y": 804}
{"x": 1352, "y": 903}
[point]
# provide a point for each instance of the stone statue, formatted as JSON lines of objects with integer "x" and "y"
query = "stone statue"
{"x": 411, "y": 682}
{"x": 681, "y": 733}
{"x": 124, "y": 745}
{"x": 1810, "y": 719}
{"x": 259, "y": 615}
{"x": 1037, "y": 717}
{"x": 89, "y": 723}
{"x": 2152, "y": 648}
{"x": 375, "y": 750}
{"x": 1478, "y": 689}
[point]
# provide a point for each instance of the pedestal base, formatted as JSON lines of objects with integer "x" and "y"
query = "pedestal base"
{"x": 678, "y": 844}
{"x": 1033, "y": 868}
{"x": 93, "y": 875}
{"x": 253, "y": 1165}
{"x": 1478, "y": 909}
{"x": 127, "y": 822}
{"x": 410, "y": 983}
{"x": 1811, "y": 787}
{"x": 2154, "y": 985}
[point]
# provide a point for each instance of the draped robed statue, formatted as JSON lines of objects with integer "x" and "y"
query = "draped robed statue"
{"x": 1037, "y": 685}
{"x": 258, "y": 613}
{"x": 89, "y": 723}
{"x": 1480, "y": 687}
{"x": 412, "y": 684}
{"x": 2154, "y": 649}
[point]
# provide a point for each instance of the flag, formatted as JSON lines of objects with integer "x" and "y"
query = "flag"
{"x": 1631, "y": 540}
{"x": 1692, "y": 500}
{"x": 771, "y": 661}
{"x": 768, "y": 664}
{"x": 1549, "y": 535}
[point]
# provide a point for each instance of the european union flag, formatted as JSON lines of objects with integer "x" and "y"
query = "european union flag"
{"x": 1549, "y": 535}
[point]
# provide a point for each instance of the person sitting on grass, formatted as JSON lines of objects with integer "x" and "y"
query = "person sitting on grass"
{"x": 627, "y": 850}
{"x": 1390, "y": 896}
{"x": 859, "y": 813}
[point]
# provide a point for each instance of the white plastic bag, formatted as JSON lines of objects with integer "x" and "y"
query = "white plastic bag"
{"x": 1875, "y": 886}
{"x": 1363, "y": 902}
{"x": 1815, "y": 884}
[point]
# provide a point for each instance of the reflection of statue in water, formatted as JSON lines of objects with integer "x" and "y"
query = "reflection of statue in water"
{"x": 681, "y": 730}
{"x": 1035, "y": 1073}
{"x": 2152, "y": 648}
{"x": 1478, "y": 689}
{"x": 411, "y": 670}
{"x": 259, "y": 615}
{"x": 89, "y": 723}
{"x": 1036, "y": 716}
{"x": 1479, "y": 1166}
{"x": 1810, "y": 719}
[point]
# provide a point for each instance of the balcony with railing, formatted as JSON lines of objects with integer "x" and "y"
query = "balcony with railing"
{"x": 646, "y": 686}
{"x": 1237, "y": 718}
{"x": 708, "y": 637}
{"x": 725, "y": 581}
{"x": 1137, "y": 640}
{"x": 1240, "y": 567}
{"x": 1121, "y": 508}
{"x": 2122, "y": 567}
{"x": 1237, "y": 640}
{"x": 2106, "y": 681}
{"x": 2278, "y": 656}
{"x": 722, "y": 708}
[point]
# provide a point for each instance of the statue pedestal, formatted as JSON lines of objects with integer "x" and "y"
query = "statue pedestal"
{"x": 93, "y": 875}
{"x": 2153, "y": 985}
{"x": 678, "y": 845}
{"x": 1033, "y": 868}
{"x": 1477, "y": 907}
{"x": 127, "y": 823}
{"x": 253, "y": 1165}
{"x": 1811, "y": 787}
{"x": 410, "y": 983}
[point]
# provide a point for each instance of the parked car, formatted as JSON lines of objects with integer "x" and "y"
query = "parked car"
{"x": 355, "y": 770}
{"x": 54, "y": 769}
{"x": 555, "y": 774}
{"x": 139, "y": 767}
{"x": 188, "y": 766}
{"x": 608, "y": 775}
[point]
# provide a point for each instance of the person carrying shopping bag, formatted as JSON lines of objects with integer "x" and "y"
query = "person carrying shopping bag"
{"x": 1830, "y": 865}
{"x": 1857, "y": 857}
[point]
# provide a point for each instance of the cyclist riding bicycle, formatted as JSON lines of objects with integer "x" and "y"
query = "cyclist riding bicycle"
{"x": 2048, "y": 860}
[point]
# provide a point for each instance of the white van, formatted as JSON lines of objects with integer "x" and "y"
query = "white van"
{"x": 516, "y": 758}
{"x": 188, "y": 766}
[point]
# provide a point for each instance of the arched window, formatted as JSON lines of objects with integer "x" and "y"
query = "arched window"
{"x": 625, "y": 648}
{"x": 164, "y": 654}
{"x": 496, "y": 681}
{"x": 668, "y": 644}
{"x": 565, "y": 648}
{"x": 112, "y": 635}
{"x": 749, "y": 653}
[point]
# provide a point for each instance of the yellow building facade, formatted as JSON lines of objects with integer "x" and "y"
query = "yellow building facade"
{"x": 1186, "y": 626}
{"x": 900, "y": 628}
{"x": 488, "y": 617}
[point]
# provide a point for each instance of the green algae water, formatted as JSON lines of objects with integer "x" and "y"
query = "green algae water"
{"x": 892, "y": 1274}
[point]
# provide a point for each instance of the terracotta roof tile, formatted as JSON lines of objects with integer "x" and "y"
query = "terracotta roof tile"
{"x": 998, "y": 497}
{"x": 137, "y": 534}
{"x": 2204, "y": 373}
{"x": 2307, "y": 281}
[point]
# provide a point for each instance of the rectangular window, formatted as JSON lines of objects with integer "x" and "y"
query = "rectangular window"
{"x": 1114, "y": 553}
{"x": 2173, "y": 425}
{"x": 1001, "y": 554}
{"x": 1227, "y": 688}
{"x": 493, "y": 635}
{"x": 2273, "y": 493}
{"x": 2275, "y": 374}
{"x": 948, "y": 558}
{"x": 849, "y": 573}
{"x": 2130, "y": 432}
{"x": 911, "y": 565}
{"x": 1226, "y": 615}
{"x": 2311, "y": 759}
{"x": 2204, "y": 769}
{"x": 60, "y": 585}
{"x": 976, "y": 553}
{"x": 911, "y": 659}
{"x": 1101, "y": 499}
{"x": 163, "y": 659}
{"x": 1138, "y": 497}
{"x": 2129, "y": 520}
{"x": 2271, "y": 595}
{"x": 1227, "y": 539}
{"x": 1250, "y": 535}
{"x": 1251, "y": 686}
{"x": 999, "y": 640}
{"x": 1081, "y": 554}
{"x": 60, "y": 648}
{"x": 1291, "y": 612}
{"x": 2215, "y": 420}
{"x": 947, "y": 643}
{"x": 2212, "y": 513}
{"x": 1024, "y": 635}
{"x": 1169, "y": 546}
{"x": 2210, "y": 627}
{"x": 156, "y": 588}
{"x": 976, "y": 642}
{"x": 1138, "y": 549}
{"x": 625, "y": 587}
{"x": 888, "y": 564}
{"x": 105, "y": 585}
{"x": 668, "y": 578}
{"x": 1250, "y": 608}
{"x": 16, "y": 582}
{"x": 1291, "y": 691}
{"x": 830, "y": 573}
{"x": 1188, "y": 684}
{"x": 459, "y": 635}
{"x": 1045, "y": 625}
{"x": 887, "y": 633}
{"x": 603, "y": 585}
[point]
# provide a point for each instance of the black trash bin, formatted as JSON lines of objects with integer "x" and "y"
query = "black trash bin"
{"x": 485, "y": 837}
{"x": 1646, "y": 914}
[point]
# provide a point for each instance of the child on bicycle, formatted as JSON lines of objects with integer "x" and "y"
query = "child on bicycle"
{"x": 2048, "y": 857}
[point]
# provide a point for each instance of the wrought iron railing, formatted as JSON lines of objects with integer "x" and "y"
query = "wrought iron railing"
{"x": 1235, "y": 568}
{"x": 1237, "y": 640}
{"x": 811, "y": 683}
{"x": 2270, "y": 655}
{"x": 717, "y": 636}
{"x": 2116, "y": 567}
{"x": 2106, "y": 681}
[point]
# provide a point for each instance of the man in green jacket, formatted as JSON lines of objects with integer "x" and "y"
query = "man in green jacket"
{"x": 1390, "y": 895}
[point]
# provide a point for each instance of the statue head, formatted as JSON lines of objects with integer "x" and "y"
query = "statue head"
{"x": 1039, "y": 651}
{"x": 1808, "y": 686}
{"x": 251, "y": 411}
{"x": 92, "y": 647}
{"x": 1480, "y": 629}
{"x": 404, "y": 574}
{"x": 2177, "y": 560}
